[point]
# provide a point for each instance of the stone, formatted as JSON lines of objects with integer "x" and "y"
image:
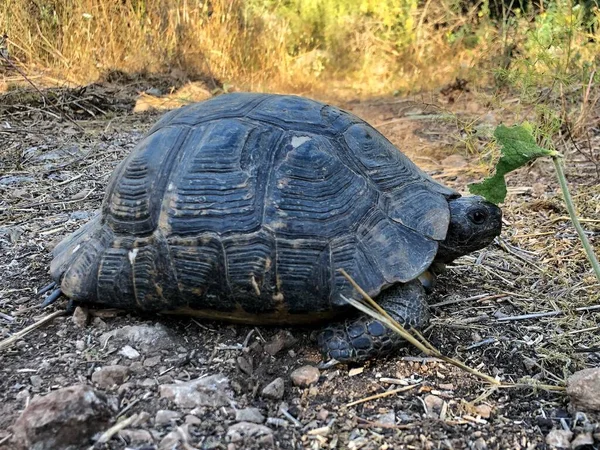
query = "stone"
{"x": 67, "y": 416}
{"x": 153, "y": 361}
{"x": 480, "y": 444}
{"x": 305, "y": 376}
{"x": 275, "y": 389}
{"x": 244, "y": 365}
{"x": 36, "y": 381}
{"x": 246, "y": 433}
{"x": 388, "y": 418}
{"x": 136, "y": 436}
{"x": 583, "y": 389}
{"x": 249, "y": 415}
{"x": 109, "y": 376}
{"x": 172, "y": 440}
{"x": 582, "y": 440}
{"x": 80, "y": 345}
{"x": 205, "y": 391}
{"x": 145, "y": 337}
{"x": 322, "y": 415}
{"x": 190, "y": 419}
{"x": 165, "y": 417}
{"x": 559, "y": 439}
{"x": 484, "y": 411}
{"x": 281, "y": 341}
{"x": 434, "y": 405}
{"x": 80, "y": 317}
{"x": 129, "y": 352}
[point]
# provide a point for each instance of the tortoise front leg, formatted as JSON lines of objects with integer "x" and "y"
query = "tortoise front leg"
{"x": 364, "y": 337}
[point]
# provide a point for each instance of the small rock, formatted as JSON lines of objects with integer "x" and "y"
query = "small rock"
{"x": 245, "y": 365}
{"x": 190, "y": 419}
{"x": 165, "y": 417}
{"x": 151, "y": 362}
{"x": 583, "y": 440}
{"x": 246, "y": 433}
{"x": 281, "y": 341}
{"x": 36, "y": 381}
{"x": 484, "y": 411}
{"x": 80, "y": 317}
{"x": 136, "y": 436}
{"x": 322, "y": 415}
{"x": 446, "y": 386}
{"x": 129, "y": 352}
{"x": 80, "y": 345}
{"x": 99, "y": 323}
{"x": 480, "y": 444}
{"x": 559, "y": 438}
{"x": 434, "y": 405}
{"x": 141, "y": 420}
{"x": 68, "y": 416}
{"x": 207, "y": 391}
{"x": 583, "y": 388}
{"x": 388, "y": 418}
{"x": 108, "y": 376}
{"x": 305, "y": 376}
{"x": 23, "y": 395}
{"x": 145, "y": 337}
{"x": 274, "y": 389}
{"x": 249, "y": 415}
{"x": 171, "y": 440}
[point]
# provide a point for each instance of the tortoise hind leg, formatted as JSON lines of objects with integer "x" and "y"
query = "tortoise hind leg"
{"x": 364, "y": 337}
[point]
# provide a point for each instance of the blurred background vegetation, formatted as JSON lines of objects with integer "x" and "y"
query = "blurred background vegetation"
{"x": 361, "y": 47}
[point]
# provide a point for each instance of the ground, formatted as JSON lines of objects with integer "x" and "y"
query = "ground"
{"x": 55, "y": 169}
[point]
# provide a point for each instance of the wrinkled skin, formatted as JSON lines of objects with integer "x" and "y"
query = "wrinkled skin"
{"x": 474, "y": 223}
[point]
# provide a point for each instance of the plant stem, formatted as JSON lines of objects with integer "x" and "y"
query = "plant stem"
{"x": 571, "y": 208}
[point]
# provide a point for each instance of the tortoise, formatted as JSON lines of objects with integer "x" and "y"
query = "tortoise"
{"x": 244, "y": 207}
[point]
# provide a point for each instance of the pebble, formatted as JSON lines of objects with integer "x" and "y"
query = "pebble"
{"x": 249, "y": 415}
{"x": 145, "y": 337}
{"x": 246, "y": 432}
{"x": 129, "y": 352}
{"x": 583, "y": 388}
{"x": 305, "y": 376}
{"x": 80, "y": 345}
{"x": 480, "y": 444}
{"x": 36, "y": 381}
{"x": 484, "y": 411}
{"x": 559, "y": 438}
{"x": 206, "y": 391}
{"x": 281, "y": 341}
{"x": 323, "y": 414}
{"x": 109, "y": 376}
{"x": 244, "y": 365}
{"x": 190, "y": 419}
{"x": 136, "y": 436}
{"x": 275, "y": 389}
{"x": 80, "y": 317}
{"x": 152, "y": 362}
{"x": 434, "y": 405}
{"x": 165, "y": 417}
{"x": 388, "y": 418}
{"x": 65, "y": 417}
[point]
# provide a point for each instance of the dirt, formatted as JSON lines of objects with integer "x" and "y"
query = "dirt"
{"x": 54, "y": 171}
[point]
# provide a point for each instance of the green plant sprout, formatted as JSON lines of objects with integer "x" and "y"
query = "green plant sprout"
{"x": 518, "y": 147}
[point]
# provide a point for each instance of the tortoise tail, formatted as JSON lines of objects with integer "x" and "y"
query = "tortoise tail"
{"x": 75, "y": 264}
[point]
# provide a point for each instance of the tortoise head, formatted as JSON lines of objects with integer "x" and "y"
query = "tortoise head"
{"x": 474, "y": 223}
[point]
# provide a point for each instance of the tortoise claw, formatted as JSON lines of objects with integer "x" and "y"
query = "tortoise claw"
{"x": 52, "y": 297}
{"x": 46, "y": 288}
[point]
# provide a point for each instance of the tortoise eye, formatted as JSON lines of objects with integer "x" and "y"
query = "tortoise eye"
{"x": 478, "y": 217}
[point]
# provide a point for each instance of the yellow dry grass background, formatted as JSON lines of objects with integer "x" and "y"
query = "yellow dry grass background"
{"x": 361, "y": 47}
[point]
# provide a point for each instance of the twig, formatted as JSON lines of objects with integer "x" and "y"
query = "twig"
{"x": 18, "y": 335}
{"x": 108, "y": 434}
{"x": 546, "y": 314}
{"x": 382, "y": 395}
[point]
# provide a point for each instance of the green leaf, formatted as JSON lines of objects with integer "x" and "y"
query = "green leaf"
{"x": 518, "y": 147}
